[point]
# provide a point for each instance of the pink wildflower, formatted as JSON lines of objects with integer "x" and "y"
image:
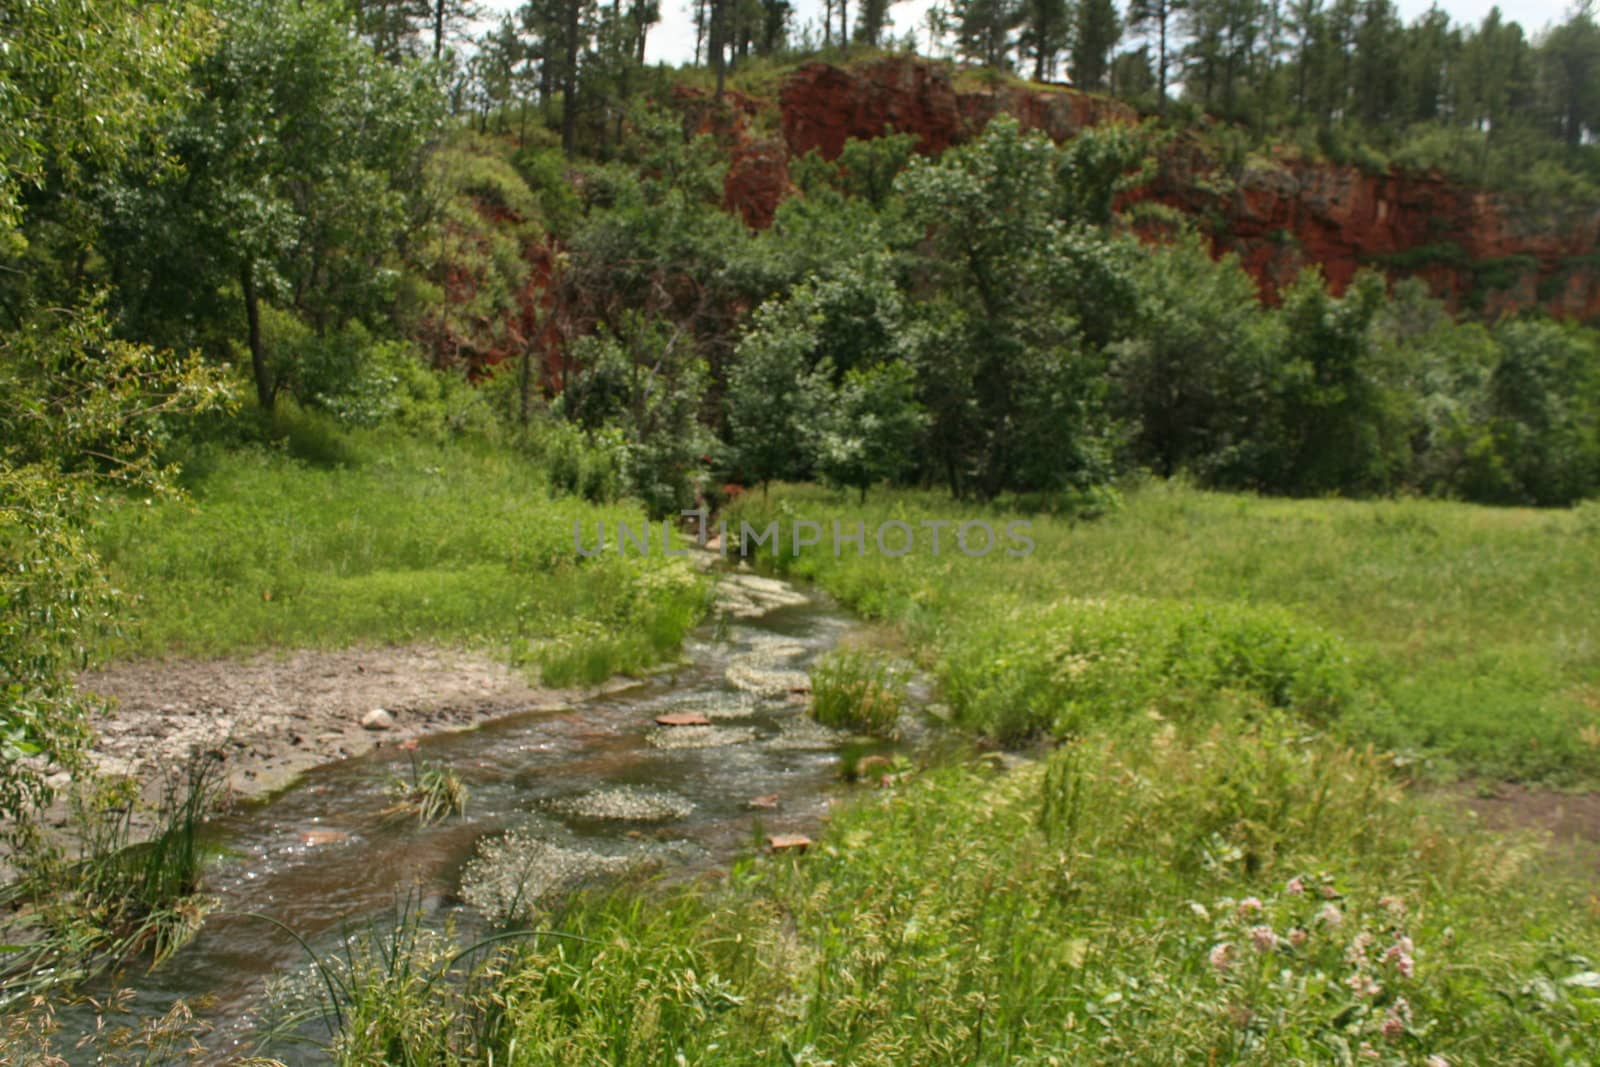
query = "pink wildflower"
{"x": 1298, "y": 936}
{"x": 1399, "y": 954}
{"x": 1330, "y": 915}
{"x": 1249, "y": 905}
{"x": 1393, "y": 904}
{"x": 1222, "y": 956}
{"x": 1399, "y": 1017}
{"x": 1263, "y": 938}
{"x": 1294, "y": 887}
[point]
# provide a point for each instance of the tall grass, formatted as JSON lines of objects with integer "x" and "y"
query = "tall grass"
{"x": 119, "y": 896}
{"x": 1205, "y": 870}
{"x": 380, "y": 539}
{"x": 1234, "y": 891}
{"x": 855, "y": 690}
{"x": 1462, "y": 638}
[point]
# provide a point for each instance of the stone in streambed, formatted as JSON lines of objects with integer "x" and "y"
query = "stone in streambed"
{"x": 788, "y": 842}
{"x": 683, "y": 718}
{"x": 377, "y": 719}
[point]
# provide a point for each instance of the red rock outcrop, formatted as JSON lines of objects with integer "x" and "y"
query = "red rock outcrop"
{"x": 757, "y": 181}
{"x": 823, "y": 106}
{"x": 1480, "y": 250}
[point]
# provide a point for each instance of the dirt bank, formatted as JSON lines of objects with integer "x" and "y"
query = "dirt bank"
{"x": 274, "y": 716}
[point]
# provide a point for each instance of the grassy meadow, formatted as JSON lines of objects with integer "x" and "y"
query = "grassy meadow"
{"x": 1465, "y": 640}
{"x": 1216, "y": 857}
{"x": 373, "y": 538}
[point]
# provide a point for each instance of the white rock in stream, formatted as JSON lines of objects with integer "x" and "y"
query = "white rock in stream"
{"x": 676, "y": 737}
{"x": 749, "y": 596}
{"x": 514, "y": 876}
{"x": 377, "y": 719}
{"x": 625, "y": 803}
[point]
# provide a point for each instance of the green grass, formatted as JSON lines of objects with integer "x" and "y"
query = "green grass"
{"x": 855, "y": 690}
{"x": 389, "y": 541}
{"x": 1228, "y": 892}
{"x": 1464, "y": 637}
{"x": 1203, "y": 870}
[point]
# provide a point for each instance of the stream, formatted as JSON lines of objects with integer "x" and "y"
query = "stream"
{"x": 598, "y": 780}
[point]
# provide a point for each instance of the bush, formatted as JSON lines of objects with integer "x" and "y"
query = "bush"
{"x": 857, "y": 691}
{"x": 1061, "y": 670}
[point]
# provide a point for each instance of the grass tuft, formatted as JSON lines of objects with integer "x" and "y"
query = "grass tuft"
{"x": 855, "y": 690}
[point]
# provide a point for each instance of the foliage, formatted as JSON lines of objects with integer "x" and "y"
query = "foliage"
{"x": 1435, "y": 631}
{"x": 119, "y": 896}
{"x": 647, "y": 380}
{"x": 1190, "y": 382}
{"x": 457, "y": 541}
{"x": 853, "y": 690}
{"x": 433, "y": 794}
{"x": 81, "y": 412}
{"x": 1238, "y": 893}
{"x": 870, "y": 428}
{"x": 298, "y": 158}
{"x": 1008, "y": 380}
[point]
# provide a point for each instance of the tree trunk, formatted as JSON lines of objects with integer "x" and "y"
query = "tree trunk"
{"x": 258, "y": 354}
{"x": 438, "y": 28}
{"x": 569, "y": 82}
{"x": 718, "y": 45}
{"x": 1161, "y": 60}
{"x": 525, "y": 386}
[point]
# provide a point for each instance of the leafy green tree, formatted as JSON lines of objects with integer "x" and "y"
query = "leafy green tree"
{"x": 1008, "y": 380}
{"x": 1438, "y": 370}
{"x": 870, "y": 428}
{"x": 299, "y": 155}
{"x": 80, "y": 411}
{"x": 646, "y": 380}
{"x": 1545, "y": 399}
{"x": 868, "y": 168}
{"x": 1199, "y": 365}
{"x": 1337, "y": 431}
{"x": 776, "y": 393}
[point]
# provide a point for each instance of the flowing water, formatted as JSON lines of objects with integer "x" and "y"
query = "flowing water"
{"x": 599, "y": 781}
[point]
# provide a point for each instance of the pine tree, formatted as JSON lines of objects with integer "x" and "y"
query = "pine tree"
{"x": 1046, "y": 31}
{"x": 1097, "y": 32}
{"x": 1158, "y": 18}
{"x": 984, "y": 29}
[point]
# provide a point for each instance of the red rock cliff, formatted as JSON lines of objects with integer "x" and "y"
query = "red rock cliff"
{"x": 1480, "y": 250}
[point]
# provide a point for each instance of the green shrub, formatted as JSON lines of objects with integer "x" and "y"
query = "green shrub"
{"x": 1064, "y": 669}
{"x": 859, "y": 691}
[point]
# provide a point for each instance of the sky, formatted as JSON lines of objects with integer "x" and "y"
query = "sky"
{"x": 672, "y": 41}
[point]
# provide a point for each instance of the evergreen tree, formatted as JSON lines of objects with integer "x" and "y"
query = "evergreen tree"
{"x": 1046, "y": 32}
{"x": 1096, "y": 33}
{"x": 984, "y": 30}
{"x": 1158, "y": 18}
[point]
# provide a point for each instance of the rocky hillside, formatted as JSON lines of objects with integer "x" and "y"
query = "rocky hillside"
{"x": 1483, "y": 251}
